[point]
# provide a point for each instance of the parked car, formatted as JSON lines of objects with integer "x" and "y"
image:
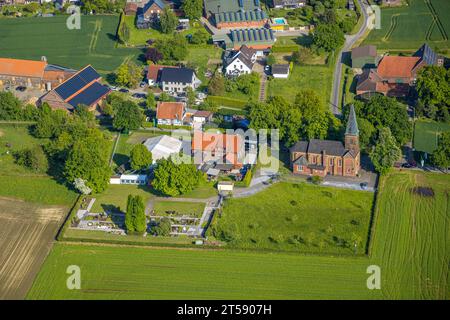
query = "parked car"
{"x": 142, "y": 84}
{"x": 124, "y": 90}
{"x": 363, "y": 185}
{"x": 139, "y": 95}
{"x": 21, "y": 88}
{"x": 113, "y": 88}
{"x": 267, "y": 69}
{"x": 407, "y": 166}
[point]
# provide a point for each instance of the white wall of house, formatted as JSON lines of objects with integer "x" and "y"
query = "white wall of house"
{"x": 169, "y": 122}
{"x": 280, "y": 76}
{"x": 237, "y": 67}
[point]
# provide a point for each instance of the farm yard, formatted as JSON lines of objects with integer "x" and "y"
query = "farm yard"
{"x": 409, "y": 242}
{"x": 95, "y": 43}
{"x": 426, "y": 134}
{"x": 406, "y": 28}
{"x": 297, "y": 217}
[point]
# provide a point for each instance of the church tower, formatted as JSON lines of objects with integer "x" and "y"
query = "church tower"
{"x": 352, "y": 132}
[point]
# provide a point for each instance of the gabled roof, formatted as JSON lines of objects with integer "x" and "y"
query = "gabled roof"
{"x": 159, "y": 3}
{"x": 205, "y": 141}
{"x": 163, "y": 147}
{"x": 301, "y": 161}
{"x": 253, "y": 36}
{"x": 177, "y": 75}
{"x": 170, "y": 110}
{"x": 427, "y": 54}
{"x": 217, "y": 6}
{"x": 203, "y": 114}
{"x": 280, "y": 69}
{"x": 22, "y": 68}
{"x": 334, "y": 148}
{"x": 352, "y": 124}
{"x": 154, "y": 70}
{"x": 243, "y": 58}
{"x": 397, "y": 66}
{"x": 364, "y": 51}
{"x": 240, "y": 16}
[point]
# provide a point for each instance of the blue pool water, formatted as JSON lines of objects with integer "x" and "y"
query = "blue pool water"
{"x": 279, "y": 21}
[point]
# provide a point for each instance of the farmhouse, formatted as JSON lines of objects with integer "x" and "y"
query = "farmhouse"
{"x": 171, "y": 113}
{"x": 326, "y": 157}
{"x": 154, "y": 73}
{"x": 288, "y": 4}
{"x": 163, "y": 147}
{"x": 235, "y": 13}
{"x": 396, "y": 75}
{"x": 83, "y": 87}
{"x": 261, "y": 39}
{"x": 281, "y": 71}
{"x": 32, "y": 74}
{"x": 202, "y": 116}
{"x": 240, "y": 62}
{"x": 177, "y": 80}
{"x": 224, "y": 149}
{"x": 364, "y": 57}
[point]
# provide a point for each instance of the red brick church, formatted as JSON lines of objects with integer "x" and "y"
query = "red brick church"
{"x": 325, "y": 157}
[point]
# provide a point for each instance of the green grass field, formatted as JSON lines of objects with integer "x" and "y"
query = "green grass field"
{"x": 191, "y": 209}
{"x": 316, "y": 77}
{"x": 19, "y": 182}
{"x": 94, "y": 43}
{"x": 410, "y": 244}
{"x": 426, "y": 134}
{"x": 408, "y": 27}
{"x": 298, "y": 217}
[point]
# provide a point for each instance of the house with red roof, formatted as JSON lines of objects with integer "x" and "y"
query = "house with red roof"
{"x": 171, "y": 113}
{"x": 396, "y": 75}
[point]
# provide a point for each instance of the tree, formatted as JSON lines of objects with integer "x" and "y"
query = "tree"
{"x": 271, "y": 60}
{"x": 190, "y": 94}
{"x": 124, "y": 33}
{"x": 173, "y": 49}
{"x": 200, "y": 36}
{"x": 88, "y": 160}
{"x": 135, "y": 220}
{"x": 167, "y": 20}
{"x": 193, "y": 8}
{"x": 315, "y": 118}
{"x": 151, "y": 100}
{"x": 33, "y": 158}
{"x": 441, "y": 156}
{"x": 433, "y": 88}
{"x": 174, "y": 179}
{"x": 385, "y": 152}
{"x": 129, "y": 75}
{"x": 153, "y": 55}
{"x": 10, "y": 106}
{"x": 216, "y": 85}
{"x": 141, "y": 158}
{"x": 128, "y": 116}
{"x": 328, "y": 37}
{"x": 302, "y": 56}
{"x": 163, "y": 228}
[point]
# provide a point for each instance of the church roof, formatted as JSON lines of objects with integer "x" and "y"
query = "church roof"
{"x": 352, "y": 124}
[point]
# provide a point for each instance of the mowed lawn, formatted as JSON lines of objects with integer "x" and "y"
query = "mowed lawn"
{"x": 408, "y": 27}
{"x": 192, "y": 209}
{"x": 426, "y": 134}
{"x": 410, "y": 244}
{"x": 21, "y": 183}
{"x": 297, "y": 217}
{"x": 94, "y": 43}
{"x": 315, "y": 77}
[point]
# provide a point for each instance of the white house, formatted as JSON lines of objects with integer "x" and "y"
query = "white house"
{"x": 280, "y": 71}
{"x": 139, "y": 179}
{"x": 177, "y": 80}
{"x": 240, "y": 62}
{"x": 202, "y": 116}
{"x": 163, "y": 147}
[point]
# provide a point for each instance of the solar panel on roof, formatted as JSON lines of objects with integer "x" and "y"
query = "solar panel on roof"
{"x": 90, "y": 95}
{"x": 71, "y": 86}
{"x": 89, "y": 74}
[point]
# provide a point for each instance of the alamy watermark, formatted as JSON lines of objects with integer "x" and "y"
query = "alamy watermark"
{"x": 374, "y": 280}
{"x": 374, "y": 17}
{"x": 73, "y": 22}
{"x": 73, "y": 282}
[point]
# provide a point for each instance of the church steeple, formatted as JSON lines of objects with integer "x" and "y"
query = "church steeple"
{"x": 352, "y": 132}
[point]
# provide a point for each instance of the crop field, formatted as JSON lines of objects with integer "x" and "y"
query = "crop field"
{"x": 410, "y": 244}
{"x": 426, "y": 134}
{"x": 408, "y": 27}
{"x": 26, "y": 234}
{"x": 94, "y": 43}
{"x": 412, "y": 236}
{"x": 297, "y": 217}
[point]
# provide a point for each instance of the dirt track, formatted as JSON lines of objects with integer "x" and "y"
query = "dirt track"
{"x": 26, "y": 236}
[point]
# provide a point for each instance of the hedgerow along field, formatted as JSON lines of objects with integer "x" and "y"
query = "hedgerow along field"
{"x": 95, "y": 43}
{"x": 410, "y": 244}
{"x": 297, "y": 217}
{"x": 406, "y": 28}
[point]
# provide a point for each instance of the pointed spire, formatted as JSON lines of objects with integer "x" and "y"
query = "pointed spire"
{"x": 352, "y": 124}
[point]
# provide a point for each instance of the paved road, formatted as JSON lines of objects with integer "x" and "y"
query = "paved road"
{"x": 350, "y": 40}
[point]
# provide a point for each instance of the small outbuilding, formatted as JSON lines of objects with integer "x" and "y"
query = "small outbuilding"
{"x": 280, "y": 71}
{"x": 225, "y": 186}
{"x": 364, "y": 57}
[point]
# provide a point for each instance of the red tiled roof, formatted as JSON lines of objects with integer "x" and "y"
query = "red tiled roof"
{"x": 170, "y": 110}
{"x": 397, "y": 67}
{"x": 23, "y": 68}
{"x": 153, "y": 71}
{"x": 203, "y": 114}
{"x": 216, "y": 141}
